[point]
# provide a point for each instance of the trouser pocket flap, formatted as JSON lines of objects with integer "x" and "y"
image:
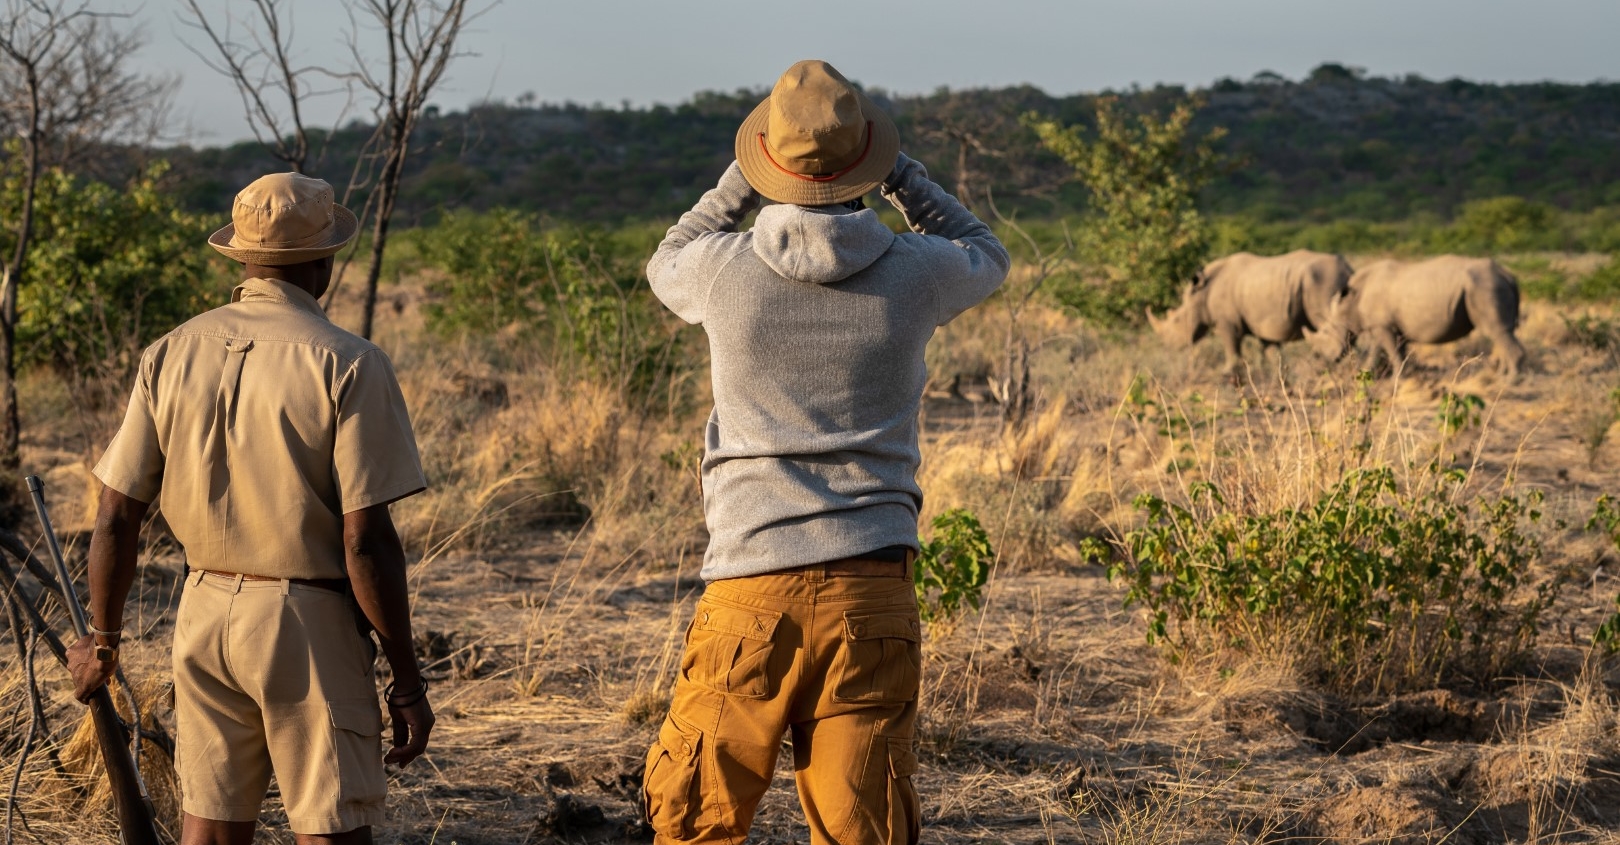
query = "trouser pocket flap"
{"x": 670, "y": 781}
{"x": 752, "y": 624}
{"x": 728, "y": 649}
{"x": 876, "y": 626}
{"x": 902, "y": 760}
{"x": 880, "y": 659}
{"x": 681, "y": 742}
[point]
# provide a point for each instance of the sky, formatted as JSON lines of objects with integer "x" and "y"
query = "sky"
{"x": 661, "y": 51}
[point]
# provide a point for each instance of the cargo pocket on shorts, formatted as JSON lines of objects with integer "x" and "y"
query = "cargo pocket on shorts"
{"x": 668, "y": 786}
{"x": 881, "y": 659}
{"x": 727, "y": 649}
{"x": 357, "y": 741}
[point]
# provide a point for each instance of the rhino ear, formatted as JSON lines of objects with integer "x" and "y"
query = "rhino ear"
{"x": 1152, "y": 320}
{"x": 1337, "y": 304}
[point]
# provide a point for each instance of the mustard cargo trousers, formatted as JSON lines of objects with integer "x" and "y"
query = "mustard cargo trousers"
{"x": 836, "y": 660}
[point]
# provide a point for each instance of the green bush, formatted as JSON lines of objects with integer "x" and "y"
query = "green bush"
{"x": 1606, "y": 518}
{"x": 574, "y": 292}
{"x": 1143, "y": 175}
{"x": 1500, "y": 224}
{"x": 1377, "y": 587}
{"x": 1599, "y": 334}
{"x": 109, "y": 271}
{"x": 953, "y": 566}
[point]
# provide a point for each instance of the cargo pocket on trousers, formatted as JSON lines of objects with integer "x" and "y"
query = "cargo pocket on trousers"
{"x": 905, "y": 814}
{"x": 357, "y": 740}
{"x": 668, "y": 786}
{"x": 881, "y": 658}
{"x": 727, "y": 649}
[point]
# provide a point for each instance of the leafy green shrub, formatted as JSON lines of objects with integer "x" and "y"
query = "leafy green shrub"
{"x": 1144, "y": 175}
{"x": 1600, "y": 285}
{"x": 574, "y": 291}
{"x": 109, "y": 271}
{"x": 1599, "y": 334}
{"x": 1457, "y": 412}
{"x": 953, "y": 566}
{"x": 494, "y": 265}
{"x": 1375, "y": 588}
{"x": 1606, "y": 518}
{"x": 1500, "y": 224}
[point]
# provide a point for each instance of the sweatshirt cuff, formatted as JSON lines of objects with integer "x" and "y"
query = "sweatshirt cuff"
{"x": 903, "y": 165}
{"x": 740, "y": 195}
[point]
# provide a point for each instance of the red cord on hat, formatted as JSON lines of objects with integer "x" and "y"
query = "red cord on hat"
{"x": 830, "y": 176}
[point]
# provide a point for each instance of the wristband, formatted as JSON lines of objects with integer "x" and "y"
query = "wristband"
{"x": 97, "y": 632}
{"x": 411, "y": 697}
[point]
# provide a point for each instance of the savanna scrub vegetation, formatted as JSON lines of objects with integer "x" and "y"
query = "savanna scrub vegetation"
{"x": 1162, "y": 608}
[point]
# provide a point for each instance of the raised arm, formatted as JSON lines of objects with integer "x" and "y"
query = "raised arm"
{"x": 973, "y": 262}
{"x": 719, "y": 210}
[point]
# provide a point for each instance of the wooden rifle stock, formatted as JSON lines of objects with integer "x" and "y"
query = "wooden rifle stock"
{"x": 135, "y": 823}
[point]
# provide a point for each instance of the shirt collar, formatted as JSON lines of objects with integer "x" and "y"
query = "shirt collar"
{"x": 277, "y": 291}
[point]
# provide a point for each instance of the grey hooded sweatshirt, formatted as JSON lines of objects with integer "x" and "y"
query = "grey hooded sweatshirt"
{"x": 817, "y": 319}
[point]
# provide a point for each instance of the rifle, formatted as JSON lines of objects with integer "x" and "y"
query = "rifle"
{"x": 129, "y": 793}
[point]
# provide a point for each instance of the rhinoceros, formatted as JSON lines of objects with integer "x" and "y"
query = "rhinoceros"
{"x": 1275, "y": 298}
{"x": 1435, "y": 301}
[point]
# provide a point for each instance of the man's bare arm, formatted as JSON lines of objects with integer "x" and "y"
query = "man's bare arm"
{"x": 113, "y": 544}
{"x": 376, "y": 564}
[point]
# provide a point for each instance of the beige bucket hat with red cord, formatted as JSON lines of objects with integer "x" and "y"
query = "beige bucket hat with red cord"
{"x": 816, "y": 140}
{"x": 285, "y": 218}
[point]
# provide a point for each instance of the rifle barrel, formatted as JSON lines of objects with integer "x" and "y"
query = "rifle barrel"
{"x": 135, "y": 823}
{"x": 63, "y": 577}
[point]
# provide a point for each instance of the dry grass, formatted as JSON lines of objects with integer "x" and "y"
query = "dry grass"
{"x": 557, "y": 552}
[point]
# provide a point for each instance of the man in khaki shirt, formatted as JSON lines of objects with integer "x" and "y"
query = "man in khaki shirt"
{"x": 276, "y": 442}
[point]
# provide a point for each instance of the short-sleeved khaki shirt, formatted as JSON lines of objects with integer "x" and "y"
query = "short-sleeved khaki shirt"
{"x": 261, "y": 424}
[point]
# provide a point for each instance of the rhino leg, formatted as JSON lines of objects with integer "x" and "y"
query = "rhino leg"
{"x": 1273, "y": 351}
{"x": 1495, "y": 314}
{"x": 1232, "y": 343}
{"x": 1384, "y": 339}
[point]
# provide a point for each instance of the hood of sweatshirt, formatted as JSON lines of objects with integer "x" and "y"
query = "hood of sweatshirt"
{"x": 819, "y": 245}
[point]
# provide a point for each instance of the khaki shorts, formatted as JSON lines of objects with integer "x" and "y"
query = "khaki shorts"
{"x": 271, "y": 676}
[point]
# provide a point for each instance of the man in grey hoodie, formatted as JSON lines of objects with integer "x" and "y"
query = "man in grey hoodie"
{"x": 817, "y": 319}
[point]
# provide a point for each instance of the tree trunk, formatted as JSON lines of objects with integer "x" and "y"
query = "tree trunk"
{"x": 1015, "y": 395}
{"x": 387, "y": 187}
{"x": 11, "y": 425}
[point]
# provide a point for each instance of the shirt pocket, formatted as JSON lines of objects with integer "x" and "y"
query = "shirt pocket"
{"x": 880, "y": 658}
{"x": 728, "y": 649}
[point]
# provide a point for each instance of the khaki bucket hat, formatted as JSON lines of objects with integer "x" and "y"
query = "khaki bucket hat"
{"x": 285, "y": 218}
{"x": 816, "y": 140}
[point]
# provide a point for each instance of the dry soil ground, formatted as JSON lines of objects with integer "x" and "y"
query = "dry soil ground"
{"x": 1047, "y": 716}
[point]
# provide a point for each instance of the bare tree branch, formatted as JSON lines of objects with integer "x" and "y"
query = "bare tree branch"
{"x": 272, "y": 86}
{"x": 419, "y": 39}
{"x": 66, "y": 89}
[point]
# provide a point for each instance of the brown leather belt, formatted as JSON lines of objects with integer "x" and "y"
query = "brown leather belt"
{"x": 863, "y": 566}
{"x": 336, "y": 585}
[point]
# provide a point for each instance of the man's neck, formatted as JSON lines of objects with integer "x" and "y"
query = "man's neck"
{"x": 296, "y": 275}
